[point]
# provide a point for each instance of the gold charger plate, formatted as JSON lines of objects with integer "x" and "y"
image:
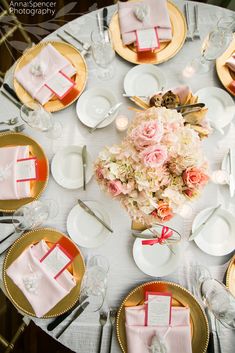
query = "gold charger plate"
{"x": 15, "y": 294}
{"x": 37, "y": 187}
{"x": 230, "y": 277}
{"x": 181, "y": 297}
{"x": 167, "y": 49}
{"x": 226, "y": 75}
{"x": 69, "y": 52}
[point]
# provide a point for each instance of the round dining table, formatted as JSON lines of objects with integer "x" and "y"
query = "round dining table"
{"x": 83, "y": 335}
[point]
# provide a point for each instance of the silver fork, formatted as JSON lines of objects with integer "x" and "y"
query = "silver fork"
{"x": 112, "y": 318}
{"x": 189, "y": 35}
{"x": 11, "y": 121}
{"x": 103, "y": 320}
{"x": 86, "y": 46}
{"x": 196, "y": 33}
{"x": 19, "y": 128}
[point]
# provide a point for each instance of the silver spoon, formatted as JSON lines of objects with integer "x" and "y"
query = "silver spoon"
{"x": 12, "y": 121}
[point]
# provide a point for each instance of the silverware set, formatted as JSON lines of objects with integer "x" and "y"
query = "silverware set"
{"x": 195, "y": 34}
{"x": 103, "y": 320}
{"x": 85, "y": 45}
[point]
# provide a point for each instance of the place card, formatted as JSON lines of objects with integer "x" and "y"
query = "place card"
{"x": 26, "y": 169}
{"x": 147, "y": 39}
{"x": 158, "y": 309}
{"x": 60, "y": 84}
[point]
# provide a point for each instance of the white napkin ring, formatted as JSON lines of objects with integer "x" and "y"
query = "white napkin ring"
{"x": 142, "y": 12}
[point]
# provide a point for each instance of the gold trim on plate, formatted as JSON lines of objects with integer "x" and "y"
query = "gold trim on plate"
{"x": 69, "y": 52}
{"x": 226, "y": 75}
{"x": 51, "y": 236}
{"x": 37, "y": 187}
{"x": 181, "y": 297}
{"x": 230, "y": 277}
{"x": 167, "y": 49}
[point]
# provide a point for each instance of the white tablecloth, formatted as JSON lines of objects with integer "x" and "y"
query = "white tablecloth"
{"x": 83, "y": 335}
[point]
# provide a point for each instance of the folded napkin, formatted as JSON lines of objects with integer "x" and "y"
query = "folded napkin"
{"x": 158, "y": 17}
{"x": 231, "y": 62}
{"x": 10, "y": 189}
{"x": 31, "y": 276}
{"x": 176, "y": 337}
{"x": 51, "y": 62}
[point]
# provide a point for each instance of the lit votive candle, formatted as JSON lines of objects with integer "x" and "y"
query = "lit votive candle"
{"x": 121, "y": 122}
{"x": 185, "y": 211}
{"x": 219, "y": 177}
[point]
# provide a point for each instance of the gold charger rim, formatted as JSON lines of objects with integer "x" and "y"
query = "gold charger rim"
{"x": 41, "y": 44}
{"x": 229, "y": 272}
{"x": 222, "y": 70}
{"x": 16, "y": 243}
{"x": 157, "y": 61}
{"x": 152, "y": 283}
{"x": 27, "y": 200}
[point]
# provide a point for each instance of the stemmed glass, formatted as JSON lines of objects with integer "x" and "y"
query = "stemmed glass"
{"x": 103, "y": 53}
{"x": 94, "y": 282}
{"x": 40, "y": 119}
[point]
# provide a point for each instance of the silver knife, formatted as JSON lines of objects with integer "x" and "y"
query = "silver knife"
{"x": 105, "y": 24}
{"x": 92, "y": 213}
{"x": 9, "y": 221}
{"x": 198, "y": 230}
{"x": 111, "y": 111}
{"x": 231, "y": 174}
{"x": 84, "y": 159}
{"x": 74, "y": 317}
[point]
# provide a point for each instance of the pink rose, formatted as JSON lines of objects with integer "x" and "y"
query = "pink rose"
{"x": 163, "y": 212}
{"x": 194, "y": 177}
{"x": 99, "y": 173}
{"x": 191, "y": 193}
{"x": 115, "y": 187}
{"x": 154, "y": 156}
{"x": 148, "y": 133}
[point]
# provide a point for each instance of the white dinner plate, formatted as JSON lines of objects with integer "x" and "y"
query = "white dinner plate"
{"x": 221, "y": 108}
{"x": 217, "y": 237}
{"x": 156, "y": 260}
{"x": 144, "y": 80}
{"x": 94, "y": 104}
{"x": 84, "y": 229}
{"x": 66, "y": 167}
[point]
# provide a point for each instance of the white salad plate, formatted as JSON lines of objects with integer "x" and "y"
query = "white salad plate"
{"x": 86, "y": 230}
{"x": 94, "y": 104}
{"x": 67, "y": 168}
{"x": 217, "y": 236}
{"x": 144, "y": 80}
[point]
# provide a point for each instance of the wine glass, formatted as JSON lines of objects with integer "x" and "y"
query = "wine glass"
{"x": 40, "y": 119}
{"x": 103, "y": 53}
{"x": 34, "y": 214}
{"x": 94, "y": 282}
{"x": 226, "y": 24}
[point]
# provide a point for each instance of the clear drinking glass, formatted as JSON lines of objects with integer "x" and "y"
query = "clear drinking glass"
{"x": 38, "y": 118}
{"x": 103, "y": 53}
{"x": 34, "y": 214}
{"x": 94, "y": 282}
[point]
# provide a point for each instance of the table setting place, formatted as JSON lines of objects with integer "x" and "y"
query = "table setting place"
{"x": 115, "y": 175}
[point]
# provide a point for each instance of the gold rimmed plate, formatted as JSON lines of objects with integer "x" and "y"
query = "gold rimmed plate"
{"x": 225, "y": 74}
{"x": 180, "y": 297}
{"x": 37, "y": 187}
{"x": 167, "y": 49}
{"x": 74, "y": 57}
{"x": 51, "y": 236}
{"x": 230, "y": 277}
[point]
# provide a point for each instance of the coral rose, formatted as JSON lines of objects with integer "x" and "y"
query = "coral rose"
{"x": 194, "y": 177}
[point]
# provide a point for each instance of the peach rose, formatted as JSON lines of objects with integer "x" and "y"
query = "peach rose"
{"x": 154, "y": 156}
{"x": 148, "y": 133}
{"x": 163, "y": 212}
{"x": 194, "y": 177}
{"x": 115, "y": 187}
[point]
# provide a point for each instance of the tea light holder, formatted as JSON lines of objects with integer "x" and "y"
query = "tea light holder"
{"x": 220, "y": 177}
{"x": 121, "y": 123}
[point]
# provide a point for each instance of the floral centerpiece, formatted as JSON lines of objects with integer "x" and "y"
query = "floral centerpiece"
{"x": 156, "y": 168}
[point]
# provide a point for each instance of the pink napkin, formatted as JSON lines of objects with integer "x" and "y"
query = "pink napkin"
{"x": 182, "y": 92}
{"x": 231, "y": 62}
{"x": 139, "y": 336}
{"x": 159, "y": 17}
{"x": 51, "y": 62}
{"x": 10, "y": 189}
{"x": 45, "y": 291}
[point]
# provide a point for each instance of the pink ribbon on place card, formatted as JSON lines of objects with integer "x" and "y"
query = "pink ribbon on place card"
{"x": 166, "y": 233}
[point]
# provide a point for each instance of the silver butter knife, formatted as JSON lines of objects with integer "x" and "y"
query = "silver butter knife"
{"x": 110, "y": 112}
{"x": 84, "y": 159}
{"x": 9, "y": 221}
{"x": 198, "y": 230}
{"x": 231, "y": 174}
{"x": 92, "y": 213}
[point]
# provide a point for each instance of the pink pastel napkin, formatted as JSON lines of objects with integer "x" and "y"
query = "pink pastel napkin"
{"x": 231, "y": 62}
{"x": 51, "y": 62}
{"x": 182, "y": 92}
{"x": 44, "y": 292}
{"x": 10, "y": 189}
{"x": 139, "y": 336}
{"x": 159, "y": 17}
